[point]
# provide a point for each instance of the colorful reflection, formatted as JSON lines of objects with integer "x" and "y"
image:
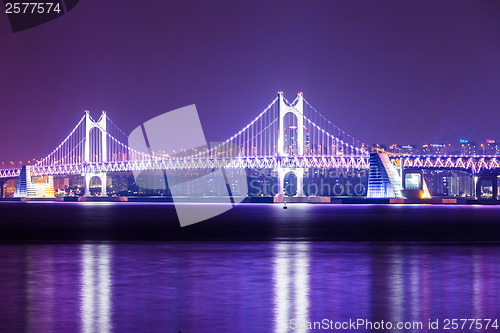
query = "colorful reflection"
{"x": 243, "y": 287}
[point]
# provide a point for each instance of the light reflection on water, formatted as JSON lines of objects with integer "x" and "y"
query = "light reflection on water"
{"x": 241, "y": 287}
{"x": 291, "y": 279}
{"x": 96, "y": 288}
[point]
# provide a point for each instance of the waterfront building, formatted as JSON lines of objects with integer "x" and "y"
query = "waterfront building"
{"x": 449, "y": 183}
{"x": 380, "y": 146}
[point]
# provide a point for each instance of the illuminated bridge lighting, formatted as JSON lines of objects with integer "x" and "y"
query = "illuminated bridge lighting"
{"x": 285, "y": 136}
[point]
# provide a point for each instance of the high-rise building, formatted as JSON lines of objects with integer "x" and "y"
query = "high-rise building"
{"x": 451, "y": 183}
{"x": 434, "y": 149}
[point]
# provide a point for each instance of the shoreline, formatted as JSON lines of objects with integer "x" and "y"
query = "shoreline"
{"x": 270, "y": 200}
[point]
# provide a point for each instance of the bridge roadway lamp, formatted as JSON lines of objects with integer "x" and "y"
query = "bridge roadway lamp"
{"x": 171, "y": 149}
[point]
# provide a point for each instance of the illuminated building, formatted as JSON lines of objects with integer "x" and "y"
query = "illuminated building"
{"x": 434, "y": 149}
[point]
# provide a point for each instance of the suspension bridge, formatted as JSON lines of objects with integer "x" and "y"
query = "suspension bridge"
{"x": 288, "y": 137}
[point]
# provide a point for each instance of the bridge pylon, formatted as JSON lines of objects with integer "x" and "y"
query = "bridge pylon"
{"x": 100, "y": 149}
{"x": 296, "y": 109}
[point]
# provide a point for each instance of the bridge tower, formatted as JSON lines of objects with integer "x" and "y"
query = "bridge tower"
{"x": 297, "y": 110}
{"x": 101, "y": 126}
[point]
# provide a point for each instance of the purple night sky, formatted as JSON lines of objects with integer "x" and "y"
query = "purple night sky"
{"x": 408, "y": 72}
